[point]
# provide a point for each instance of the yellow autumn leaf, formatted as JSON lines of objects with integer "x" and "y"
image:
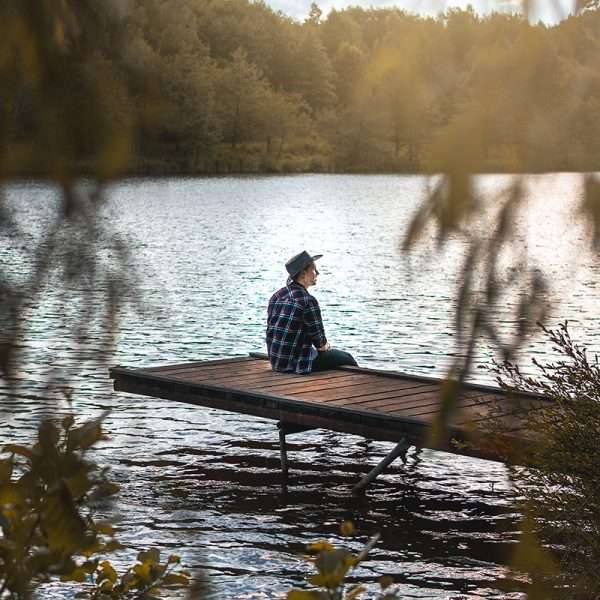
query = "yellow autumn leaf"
{"x": 143, "y": 571}
{"x": 176, "y": 579}
{"x": 331, "y": 581}
{"x": 300, "y": 595}
{"x": 348, "y": 528}
{"x": 65, "y": 529}
{"x": 321, "y": 547}
{"x": 105, "y": 528}
{"x": 108, "y": 571}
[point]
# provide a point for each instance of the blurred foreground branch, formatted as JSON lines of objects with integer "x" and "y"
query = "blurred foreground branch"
{"x": 63, "y": 118}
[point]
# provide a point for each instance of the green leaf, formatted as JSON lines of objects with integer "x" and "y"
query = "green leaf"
{"x": 89, "y": 566}
{"x": 104, "y": 490}
{"x": 11, "y": 493}
{"x": 143, "y": 571}
{"x": 108, "y": 571}
{"x": 104, "y": 527}
{"x": 65, "y": 529}
{"x": 67, "y": 422}
{"x": 48, "y": 435}
{"x": 176, "y": 579}
{"x": 151, "y": 556}
{"x": 112, "y": 545}
{"x": 6, "y": 467}
{"x": 85, "y": 436}
{"x": 301, "y": 595}
{"x": 79, "y": 484}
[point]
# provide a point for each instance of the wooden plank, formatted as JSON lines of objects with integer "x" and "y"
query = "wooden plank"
{"x": 237, "y": 367}
{"x": 510, "y": 411}
{"x": 276, "y": 378}
{"x": 279, "y": 378}
{"x": 273, "y": 380}
{"x": 353, "y": 395}
{"x": 469, "y": 409}
{"x": 266, "y": 379}
{"x": 435, "y": 400}
{"x": 313, "y": 386}
{"x": 238, "y": 375}
{"x": 202, "y": 363}
{"x": 467, "y": 385}
{"x": 417, "y": 398}
{"x": 429, "y": 407}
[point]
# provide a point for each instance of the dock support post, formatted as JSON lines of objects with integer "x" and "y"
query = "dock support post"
{"x": 283, "y": 453}
{"x": 399, "y": 450}
{"x": 284, "y": 429}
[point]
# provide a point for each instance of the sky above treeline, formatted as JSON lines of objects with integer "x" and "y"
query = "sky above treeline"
{"x": 549, "y": 11}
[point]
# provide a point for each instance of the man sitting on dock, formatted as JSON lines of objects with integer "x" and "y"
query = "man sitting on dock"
{"x": 296, "y": 340}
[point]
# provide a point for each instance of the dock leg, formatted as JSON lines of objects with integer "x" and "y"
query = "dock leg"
{"x": 285, "y": 429}
{"x": 399, "y": 450}
{"x": 283, "y": 453}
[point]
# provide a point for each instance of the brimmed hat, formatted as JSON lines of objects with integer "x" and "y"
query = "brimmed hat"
{"x": 300, "y": 262}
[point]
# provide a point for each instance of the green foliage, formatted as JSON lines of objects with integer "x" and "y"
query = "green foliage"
{"x": 143, "y": 580}
{"x": 561, "y": 489}
{"x": 333, "y": 565}
{"x": 65, "y": 112}
{"x": 57, "y": 89}
{"x": 47, "y": 497}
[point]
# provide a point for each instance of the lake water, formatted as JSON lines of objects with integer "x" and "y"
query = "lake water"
{"x": 206, "y": 484}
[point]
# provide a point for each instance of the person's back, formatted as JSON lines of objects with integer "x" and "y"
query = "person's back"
{"x": 296, "y": 341}
{"x": 294, "y": 329}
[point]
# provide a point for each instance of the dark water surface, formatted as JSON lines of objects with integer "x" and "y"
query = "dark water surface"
{"x": 206, "y": 484}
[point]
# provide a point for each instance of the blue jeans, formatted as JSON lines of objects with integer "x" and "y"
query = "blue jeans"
{"x": 332, "y": 359}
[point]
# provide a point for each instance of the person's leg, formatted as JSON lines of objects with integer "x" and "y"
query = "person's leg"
{"x": 332, "y": 359}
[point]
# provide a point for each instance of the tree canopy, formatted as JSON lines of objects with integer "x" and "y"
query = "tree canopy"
{"x": 365, "y": 89}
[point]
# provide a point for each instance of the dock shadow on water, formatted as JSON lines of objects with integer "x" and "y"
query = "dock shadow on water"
{"x": 447, "y": 523}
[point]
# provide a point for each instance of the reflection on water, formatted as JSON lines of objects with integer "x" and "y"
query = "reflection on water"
{"x": 206, "y": 483}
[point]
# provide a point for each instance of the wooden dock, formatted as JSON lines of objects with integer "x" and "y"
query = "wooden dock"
{"x": 378, "y": 405}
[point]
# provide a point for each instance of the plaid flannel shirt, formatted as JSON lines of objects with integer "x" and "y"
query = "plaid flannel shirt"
{"x": 294, "y": 329}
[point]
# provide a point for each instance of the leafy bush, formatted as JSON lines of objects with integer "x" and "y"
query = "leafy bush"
{"x": 563, "y": 485}
{"x": 47, "y": 498}
{"x": 333, "y": 565}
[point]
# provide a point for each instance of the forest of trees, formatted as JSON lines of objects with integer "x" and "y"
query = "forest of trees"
{"x": 232, "y": 86}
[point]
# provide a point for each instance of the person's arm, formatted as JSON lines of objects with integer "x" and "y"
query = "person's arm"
{"x": 314, "y": 325}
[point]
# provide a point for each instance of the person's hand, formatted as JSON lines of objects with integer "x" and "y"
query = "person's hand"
{"x": 325, "y": 347}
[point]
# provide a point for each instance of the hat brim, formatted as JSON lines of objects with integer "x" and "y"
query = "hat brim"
{"x": 312, "y": 259}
